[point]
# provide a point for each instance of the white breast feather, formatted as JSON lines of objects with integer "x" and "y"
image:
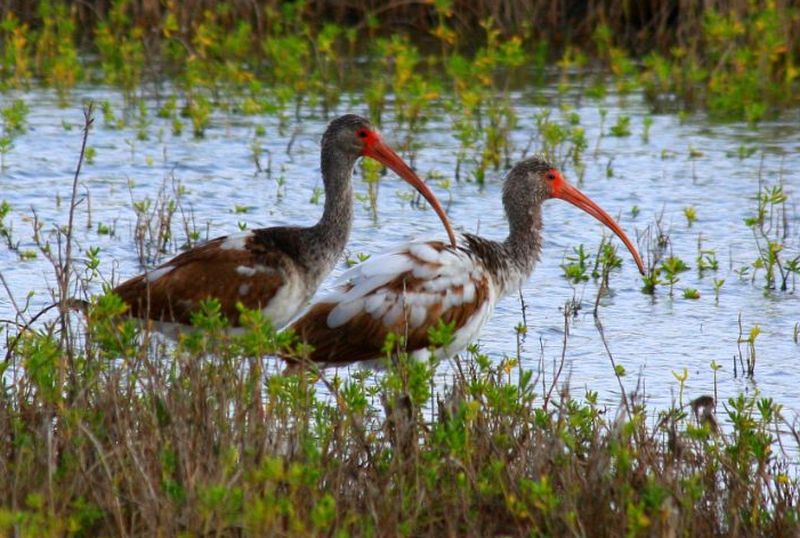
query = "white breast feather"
{"x": 451, "y": 298}
{"x": 451, "y": 257}
{"x": 385, "y": 306}
{"x": 464, "y": 335}
{"x": 287, "y": 301}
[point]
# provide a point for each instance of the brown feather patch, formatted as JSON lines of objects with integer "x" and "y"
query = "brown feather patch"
{"x": 363, "y": 336}
{"x": 209, "y": 270}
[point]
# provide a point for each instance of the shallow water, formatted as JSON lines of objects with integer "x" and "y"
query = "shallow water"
{"x": 650, "y": 336}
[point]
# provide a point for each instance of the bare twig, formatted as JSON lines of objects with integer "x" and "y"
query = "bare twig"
{"x": 64, "y": 272}
{"x": 568, "y": 312}
{"x": 624, "y": 395}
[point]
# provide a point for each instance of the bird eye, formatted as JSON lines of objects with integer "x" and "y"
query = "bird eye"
{"x": 362, "y": 133}
{"x": 551, "y": 176}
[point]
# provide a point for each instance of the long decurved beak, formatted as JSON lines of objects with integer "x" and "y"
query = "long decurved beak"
{"x": 382, "y": 153}
{"x": 567, "y": 192}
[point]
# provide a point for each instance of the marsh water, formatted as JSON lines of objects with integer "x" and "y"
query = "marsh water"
{"x": 688, "y": 161}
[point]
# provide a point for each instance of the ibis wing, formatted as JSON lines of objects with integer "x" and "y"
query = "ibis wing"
{"x": 231, "y": 269}
{"x": 405, "y": 292}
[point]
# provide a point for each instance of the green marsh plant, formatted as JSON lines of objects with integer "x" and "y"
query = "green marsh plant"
{"x": 13, "y": 118}
{"x": 154, "y": 235}
{"x": 747, "y": 360}
{"x": 56, "y": 53}
{"x": 771, "y": 230}
{"x": 576, "y": 266}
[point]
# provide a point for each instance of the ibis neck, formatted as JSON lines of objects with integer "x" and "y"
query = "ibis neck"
{"x": 523, "y": 245}
{"x": 330, "y": 234}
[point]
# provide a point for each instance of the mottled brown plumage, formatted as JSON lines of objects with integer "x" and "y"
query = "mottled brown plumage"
{"x": 177, "y": 294}
{"x": 358, "y": 339}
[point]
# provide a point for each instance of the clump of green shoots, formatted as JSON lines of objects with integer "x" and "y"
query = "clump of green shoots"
{"x": 288, "y": 50}
{"x": 718, "y": 283}
{"x": 15, "y": 41}
{"x": 606, "y": 260}
{"x": 413, "y": 91}
{"x": 622, "y": 127}
{"x": 120, "y": 44}
{"x": 647, "y": 123}
{"x": 671, "y": 267}
{"x": 579, "y": 267}
{"x": 747, "y": 360}
{"x": 12, "y": 123}
{"x": 742, "y": 152}
{"x": 620, "y": 64}
{"x": 690, "y": 212}
{"x": 706, "y": 258}
{"x": 691, "y": 293}
{"x": 561, "y": 142}
{"x": 576, "y": 268}
{"x": 110, "y": 119}
{"x": 7, "y": 230}
{"x": 356, "y": 258}
{"x": 657, "y": 241}
{"x": 155, "y": 218}
{"x": 56, "y": 53}
{"x": 705, "y": 261}
{"x": 770, "y": 226}
{"x": 198, "y": 110}
{"x": 371, "y": 173}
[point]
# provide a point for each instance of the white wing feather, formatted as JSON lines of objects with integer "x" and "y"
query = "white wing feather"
{"x": 449, "y": 278}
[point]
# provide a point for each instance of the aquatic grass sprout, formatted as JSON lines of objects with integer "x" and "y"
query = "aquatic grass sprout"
{"x": 691, "y": 293}
{"x": 690, "y": 212}
{"x": 747, "y": 361}
{"x": 670, "y": 268}
{"x": 576, "y": 269}
{"x": 12, "y": 124}
{"x": 771, "y": 231}
{"x": 621, "y": 127}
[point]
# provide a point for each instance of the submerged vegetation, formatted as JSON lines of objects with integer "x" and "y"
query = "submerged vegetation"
{"x": 106, "y": 429}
